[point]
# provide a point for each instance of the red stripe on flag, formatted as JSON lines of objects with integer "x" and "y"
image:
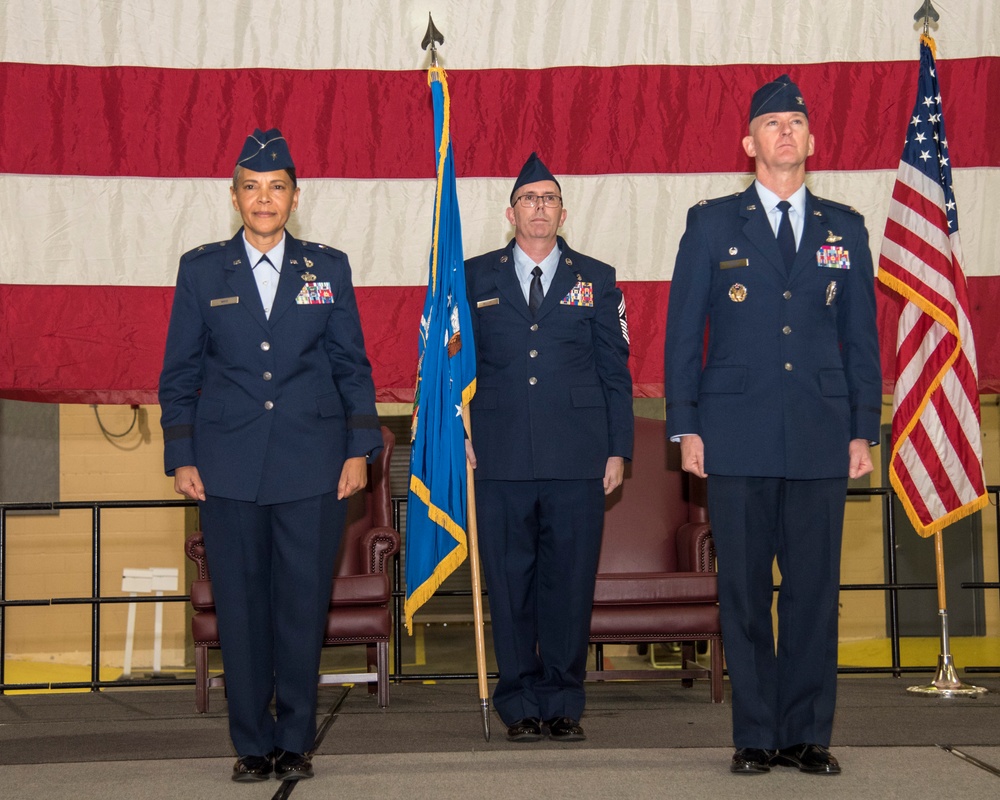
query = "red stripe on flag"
{"x": 957, "y": 440}
{"x": 935, "y": 361}
{"x": 932, "y": 213}
{"x": 97, "y": 344}
{"x": 174, "y": 123}
{"x": 926, "y": 450}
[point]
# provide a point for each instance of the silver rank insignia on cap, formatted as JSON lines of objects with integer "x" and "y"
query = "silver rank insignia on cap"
{"x": 737, "y": 292}
{"x": 832, "y": 237}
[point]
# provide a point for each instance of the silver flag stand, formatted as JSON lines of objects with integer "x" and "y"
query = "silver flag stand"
{"x": 946, "y": 682}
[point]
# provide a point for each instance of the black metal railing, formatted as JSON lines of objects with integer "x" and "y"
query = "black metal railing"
{"x": 891, "y": 587}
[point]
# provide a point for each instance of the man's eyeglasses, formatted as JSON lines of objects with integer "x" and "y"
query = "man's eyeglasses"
{"x": 532, "y": 200}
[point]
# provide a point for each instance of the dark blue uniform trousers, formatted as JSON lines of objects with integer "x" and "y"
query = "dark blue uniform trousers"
{"x": 540, "y": 542}
{"x": 272, "y": 574}
{"x": 784, "y": 698}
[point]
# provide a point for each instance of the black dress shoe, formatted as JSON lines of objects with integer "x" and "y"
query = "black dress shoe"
{"x": 751, "y": 761}
{"x": 564, "y": 729}
{"x": 528, "y": 729}
{"x": 290, "y": 766}
{"x": 252, "y": 768}
{"x": 813, "y": 758}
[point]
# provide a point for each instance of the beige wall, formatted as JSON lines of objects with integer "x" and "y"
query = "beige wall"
{"x": 50, "y": 556}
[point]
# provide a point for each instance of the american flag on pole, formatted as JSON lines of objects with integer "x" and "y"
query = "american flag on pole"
{"x": 936, "y": 464}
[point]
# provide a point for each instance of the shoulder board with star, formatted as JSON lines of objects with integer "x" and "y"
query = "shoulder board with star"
{"x": 716, "y": 200}
{"x": 204, "y": 249}
{"x": 839, "y": 206}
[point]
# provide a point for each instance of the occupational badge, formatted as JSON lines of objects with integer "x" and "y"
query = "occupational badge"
{"x": 833, "y": 257}
{"x": 831, "y": 237}
{"x": 737, "y": 292}
{"x": 308, "y": 276}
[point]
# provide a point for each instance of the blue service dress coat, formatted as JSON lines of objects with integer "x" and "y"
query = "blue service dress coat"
{"x": 267, "y": 409}
{"x": 789, "y": 377}
{"x": 791, "y": 373}
{"x": 553, "y": 392}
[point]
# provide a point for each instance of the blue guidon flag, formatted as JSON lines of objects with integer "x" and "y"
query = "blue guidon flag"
{"x": 437, "y": 510}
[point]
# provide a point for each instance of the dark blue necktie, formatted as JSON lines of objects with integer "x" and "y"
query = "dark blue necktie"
{"x": 535, "y": 293}
{"x": 786, "y": 239}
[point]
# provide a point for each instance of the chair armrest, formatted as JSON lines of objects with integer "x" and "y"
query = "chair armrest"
{"x": 695, "y": 549}
{"x": 202, "y": 598}
{"x": 194, "y": 547}
{"x": 378, "y": 545}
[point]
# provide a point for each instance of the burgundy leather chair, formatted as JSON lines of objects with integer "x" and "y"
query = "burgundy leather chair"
{"x": 360, "y": 603}
{"x": 656, "y": 577}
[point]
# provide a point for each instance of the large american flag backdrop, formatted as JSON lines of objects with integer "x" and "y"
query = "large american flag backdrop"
{"x": 120, "y": 122}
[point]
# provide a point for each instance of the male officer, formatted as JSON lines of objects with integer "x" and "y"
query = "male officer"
{"x": 268, "y": 414}
{"x": 551, "y": 429}
{"x": 780, "y": 413}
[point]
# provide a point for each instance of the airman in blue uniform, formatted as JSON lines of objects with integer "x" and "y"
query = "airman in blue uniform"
{"x": 551, "y": 430}
{"x": 268, "y": 414}
{"x": 778, "y": 411}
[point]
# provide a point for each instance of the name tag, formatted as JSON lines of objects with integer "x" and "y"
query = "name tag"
{"x": 223, "y": 301}
{"x": 737, "y": 262}
{"x": 493, "y": 301}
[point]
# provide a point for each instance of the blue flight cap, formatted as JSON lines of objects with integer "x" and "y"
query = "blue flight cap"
{"x": 781, "y": 94}
{"x": 532, "y": 172}
{"x": 265, "y": 152}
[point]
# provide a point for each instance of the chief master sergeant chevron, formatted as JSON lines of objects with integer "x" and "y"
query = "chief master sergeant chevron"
{"x": 268, "y": 414}
{"x": 782, "y": 410}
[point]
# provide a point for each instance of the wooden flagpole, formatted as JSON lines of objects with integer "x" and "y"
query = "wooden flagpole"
{"x": 472, "y": 533}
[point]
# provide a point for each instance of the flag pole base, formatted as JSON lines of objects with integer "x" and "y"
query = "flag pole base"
{"x": 486, "y": 718}
{"x": 947, "y": 683}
